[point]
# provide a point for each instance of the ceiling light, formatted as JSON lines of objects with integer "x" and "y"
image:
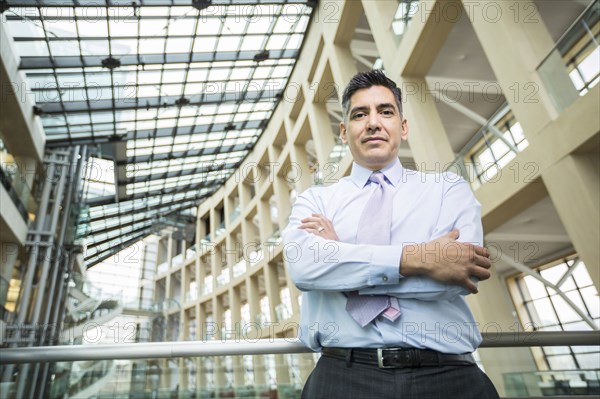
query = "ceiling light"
{"x": 201, "y": 4}
{"x": 263, "y": 55}
{"x": 111, "y": 63}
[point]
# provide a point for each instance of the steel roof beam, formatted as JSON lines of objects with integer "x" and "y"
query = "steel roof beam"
{"x": 124, "y": 104}
{"x": 64, "y": 61}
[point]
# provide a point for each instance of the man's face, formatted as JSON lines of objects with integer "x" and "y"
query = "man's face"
{"x": 375, "y": 128}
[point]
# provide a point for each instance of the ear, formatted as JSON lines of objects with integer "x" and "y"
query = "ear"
{"x": 404, "y": 134}
{"x": 343, "y": 133}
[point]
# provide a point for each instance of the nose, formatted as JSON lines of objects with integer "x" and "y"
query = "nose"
{"x": 373, "y": 122}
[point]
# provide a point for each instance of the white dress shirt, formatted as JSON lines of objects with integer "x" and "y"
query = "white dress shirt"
{"x": 425, "y": 207}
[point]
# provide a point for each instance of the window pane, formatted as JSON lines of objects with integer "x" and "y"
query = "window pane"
{"x": 553, "y": 274}
{"x": 589, "y": 360}
{"x": 543, "y": 309}
{"x": 536, "y": 287}
{"x": 565, "y": 312}
{"x": 562, "y": 362}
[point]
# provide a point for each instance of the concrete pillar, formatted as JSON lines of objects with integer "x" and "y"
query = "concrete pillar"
{"x": 324, "y": 140}
{"x": 379, "y": 16}
{"x": 574, "y": 188}
{"x": 282, "y": 373}
{"x": 300, "y": 162}
{"x": 236, "y": 319}
{"x": 265, "y": 225}
{"x": 260, "y": 376}
{"x": 427, "y": 135}
{"x": 515, "y": 41}
{"x": 272, "y": 288}
{"x": 342, "y": 66}
{"x": 282, "y": 195}
{"x": 220, "y": 378}
{"x": 170, "y": 254}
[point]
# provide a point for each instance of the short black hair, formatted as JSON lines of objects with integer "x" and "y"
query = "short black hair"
{"x": 364, "y": 80}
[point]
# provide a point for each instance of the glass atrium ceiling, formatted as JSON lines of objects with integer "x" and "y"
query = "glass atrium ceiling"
{"x": 179, "y": 91}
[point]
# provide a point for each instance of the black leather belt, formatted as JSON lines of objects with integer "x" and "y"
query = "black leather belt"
{"x": 399, "y": 357}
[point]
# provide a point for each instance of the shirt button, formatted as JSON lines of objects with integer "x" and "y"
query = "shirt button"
{"x": 385, "y": 278}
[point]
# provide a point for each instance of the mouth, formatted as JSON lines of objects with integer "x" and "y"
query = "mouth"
{"x": 372, "y": 139}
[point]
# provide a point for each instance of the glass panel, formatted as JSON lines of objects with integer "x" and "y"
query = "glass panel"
{"x": 114, "y": 30}
{"x": 572, "y": 68}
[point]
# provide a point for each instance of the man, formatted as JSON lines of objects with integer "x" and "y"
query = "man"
{"x": 382, "y": 267}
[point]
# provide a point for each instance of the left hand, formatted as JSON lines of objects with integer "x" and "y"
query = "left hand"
{"x": 319, "y": 225}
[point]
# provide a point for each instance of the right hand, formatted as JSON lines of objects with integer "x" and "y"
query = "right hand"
{"x": 447, "y": 260}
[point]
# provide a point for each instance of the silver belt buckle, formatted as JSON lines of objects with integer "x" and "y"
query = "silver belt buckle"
{"x": 380, "y": 360}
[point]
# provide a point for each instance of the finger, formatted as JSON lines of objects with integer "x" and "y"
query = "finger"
{"x": 482, "y": 261}
{"x": 322, "y": 220}
{"x": 314, "y": 226}
{"x": 481, "y": 273}
{"x": 470, "y": 286}
{"x": 309, "y": 226}
{"x": 313, "y": 231}
{"x": 311, "y": 219}
{"x": 454, "y": 234}
{"x": 319, "y": 217}
{"x": 483, "y": 251}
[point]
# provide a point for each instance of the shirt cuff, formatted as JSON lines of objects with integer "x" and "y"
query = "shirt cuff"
{"x": 385, "y": 265}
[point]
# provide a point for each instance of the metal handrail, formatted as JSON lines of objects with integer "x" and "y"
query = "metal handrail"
{"x": 155, "y": 350}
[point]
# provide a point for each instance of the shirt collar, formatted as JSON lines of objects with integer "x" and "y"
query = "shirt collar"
{"x": 393, "y": 173}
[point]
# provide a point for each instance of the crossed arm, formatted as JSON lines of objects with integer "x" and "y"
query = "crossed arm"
{"x": 439, "y": 269}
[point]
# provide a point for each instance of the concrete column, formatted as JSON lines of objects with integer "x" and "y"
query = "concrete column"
{"x": 213, "y": 224}
{"x": 220, "y": 379}
{"x": 318, "y": 120}
{"x": 185, "y": 286}
{"x": 379, "y": 16}
{"x": 282, "y": 372}
{"x": 574, "y": 188}
{"x": 183, "y": 374}
{"x": 282, "y": 195}
{"x": 215, "y": 266}
{"x": 427, "y": 135}
{"x": 342, "y": 66}
{"x": 272, "y": 288}
{"x": 201, "y": 267}
{"x": 244, "y": 195}
{"x": 299, "y": 159}
{"x": 236, "y": 319}
{"x": 170, "y": 254}
{"x": 265, "y": 225}
{"x": 260, "y": 376}
{"x": 515, "y": 41}
{"x": 198, "y": 272}
{"x": 235, "y": 251}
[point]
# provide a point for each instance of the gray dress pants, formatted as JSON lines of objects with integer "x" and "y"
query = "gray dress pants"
{"x": 333, "y": 378}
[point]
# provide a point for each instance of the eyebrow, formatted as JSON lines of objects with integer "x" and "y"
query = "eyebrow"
{"x": 379, "y": 107}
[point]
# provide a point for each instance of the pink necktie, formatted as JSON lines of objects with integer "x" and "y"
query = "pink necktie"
{"x": 374, "y": 227}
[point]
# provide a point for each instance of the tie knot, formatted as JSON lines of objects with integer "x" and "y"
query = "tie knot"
{"x": 377, "y": 177}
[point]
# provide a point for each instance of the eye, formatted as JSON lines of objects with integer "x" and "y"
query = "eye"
{"x": 358, "y": 115}
{"x": 388, "y": 112}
